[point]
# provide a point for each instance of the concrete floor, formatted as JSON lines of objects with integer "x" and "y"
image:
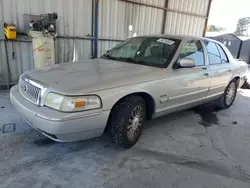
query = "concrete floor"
{"x": 195, "y": 148}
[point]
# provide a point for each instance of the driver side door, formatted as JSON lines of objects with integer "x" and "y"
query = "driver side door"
{"x": 188, "y": 86}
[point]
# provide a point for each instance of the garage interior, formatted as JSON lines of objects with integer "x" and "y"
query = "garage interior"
{"x": 83, "y": 33}
{"x": 200, "y": 147}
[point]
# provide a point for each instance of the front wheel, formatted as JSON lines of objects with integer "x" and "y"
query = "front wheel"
{"x": 126, "y": 121}
{"x": 227, "y": 99}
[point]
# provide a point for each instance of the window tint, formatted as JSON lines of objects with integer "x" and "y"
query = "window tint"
{"x": 223, "y": 55}
{"x": 213, "y": 53}
{"x": 193, "y": 50}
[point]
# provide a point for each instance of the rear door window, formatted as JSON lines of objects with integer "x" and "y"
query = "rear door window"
{"x": 213, "y": 53}
{"x": 223, "y": 55}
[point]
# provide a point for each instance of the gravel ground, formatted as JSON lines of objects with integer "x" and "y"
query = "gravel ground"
{"x": 201, "y": 147}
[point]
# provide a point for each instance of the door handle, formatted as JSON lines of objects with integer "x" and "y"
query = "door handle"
{"x": 229, "y": 70}
{"x": 206, "y": 74}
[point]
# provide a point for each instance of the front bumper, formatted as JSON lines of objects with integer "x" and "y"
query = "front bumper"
{"x": 59, "y": 126}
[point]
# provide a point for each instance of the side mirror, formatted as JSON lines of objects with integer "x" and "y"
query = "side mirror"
{"x": 186, "y": 63}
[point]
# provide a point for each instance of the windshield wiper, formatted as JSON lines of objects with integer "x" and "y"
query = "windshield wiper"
{"x": 119, "y": 58}
{"x": 127, "y": 59}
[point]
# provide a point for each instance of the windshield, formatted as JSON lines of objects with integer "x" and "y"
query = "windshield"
{"x": 150, "y": 51}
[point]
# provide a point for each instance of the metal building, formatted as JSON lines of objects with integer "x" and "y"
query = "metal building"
{"x": 245, "y": 49}
{"x": 238, "y": 46}
{"x": 87, "y": 28}
{"x": 232, "y": 42}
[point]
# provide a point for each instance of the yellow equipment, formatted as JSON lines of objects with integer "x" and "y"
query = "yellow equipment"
{"x": 10, "y": 31}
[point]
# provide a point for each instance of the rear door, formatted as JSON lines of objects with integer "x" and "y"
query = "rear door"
{"x": 220, "y": 69}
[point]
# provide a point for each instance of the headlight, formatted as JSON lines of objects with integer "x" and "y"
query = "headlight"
{"x": 72, "y": 104}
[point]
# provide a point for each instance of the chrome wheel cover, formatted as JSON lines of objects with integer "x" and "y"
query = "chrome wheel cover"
{"x": 230, "y": 94}
{"x": 135, "y": 123}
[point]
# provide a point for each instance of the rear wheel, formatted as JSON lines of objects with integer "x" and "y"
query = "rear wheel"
{"x": 126, "y": 121}
{"x": 246, "y": 84}
{"x": 227, "y": 99}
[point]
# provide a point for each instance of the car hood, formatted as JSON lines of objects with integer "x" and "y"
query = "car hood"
{"x": 91, "y": 75}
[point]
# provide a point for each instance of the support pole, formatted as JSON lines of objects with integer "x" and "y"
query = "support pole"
{"x": 208, "y": 12}
{"x": 96, "y": 29}
{"x": 8, "y": 64}
{"x": 164, "y": 17}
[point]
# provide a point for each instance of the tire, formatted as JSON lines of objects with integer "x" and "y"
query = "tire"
{"x": 124, "y": 118}
{"x": 246, "y": 84}
{"x": 230, "y": 92}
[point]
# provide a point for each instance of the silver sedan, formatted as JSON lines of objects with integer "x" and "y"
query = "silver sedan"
{"x": 142, "y": 78}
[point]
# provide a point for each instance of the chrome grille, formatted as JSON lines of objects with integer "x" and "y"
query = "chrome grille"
{"x": 29, "y": 91}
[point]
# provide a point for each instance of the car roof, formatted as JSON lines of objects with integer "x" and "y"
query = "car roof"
{"x": 180, "y": 37}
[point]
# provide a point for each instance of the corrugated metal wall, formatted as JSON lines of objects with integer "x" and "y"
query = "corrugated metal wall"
{"x": 4, "y": 75}
{"x": 74, "y": 16}
{"x": 18, "y": 57}
{"x": 115, "y": 17}
{"x": 74, "y": 19}
{"x": 186, "y": 17}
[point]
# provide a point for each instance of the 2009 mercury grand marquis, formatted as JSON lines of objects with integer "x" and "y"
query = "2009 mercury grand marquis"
{"x": 141, "y": 78}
